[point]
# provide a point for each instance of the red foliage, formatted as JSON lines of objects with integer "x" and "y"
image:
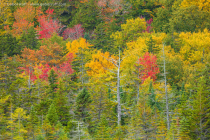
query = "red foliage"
{"x": 74, "y": 33}
{"x": 45, "y": 70}
{"x": 150, "y": 21}
{"x": 48, "y": 26}
{"x": 149, "y": 27}
{"x": 109, "y": 8}
{"x": 66, "y": 66}
{"x": 49, "y": 11}
{"x": 150, "y": 67}
{"x": 39, "y": 68}
{"x": 29, "y": 71}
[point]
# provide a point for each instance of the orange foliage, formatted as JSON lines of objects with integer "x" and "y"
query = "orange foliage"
{"x": 24, "y": 17}
{"x": 109, "y": 7}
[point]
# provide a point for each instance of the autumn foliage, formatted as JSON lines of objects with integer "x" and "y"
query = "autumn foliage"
{"x": 24, "y": 17}
{"x": 38, "y": 63}
{"x": 48, "y": 25}
{"x": 74, "y": 33}
{"x": 149, "y": 67}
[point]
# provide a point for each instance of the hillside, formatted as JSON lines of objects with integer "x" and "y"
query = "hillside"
{"x": 104, "y": 69}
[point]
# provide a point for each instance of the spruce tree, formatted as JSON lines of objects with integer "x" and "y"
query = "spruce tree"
{"x": 61, "y": 103}
{"x": 33, "y": 120}
{"x": 52, "y": 116}
{"x": 53, "y": 83}
{"x": 82, "y": 101}
{"x": 28, "y": 40}
{"x": 151, "y": 46}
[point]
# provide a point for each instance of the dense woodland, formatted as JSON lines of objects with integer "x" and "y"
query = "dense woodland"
{"x": 105, "y": 69}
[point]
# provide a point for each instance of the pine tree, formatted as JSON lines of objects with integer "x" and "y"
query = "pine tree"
{"x": 200, "y": 110}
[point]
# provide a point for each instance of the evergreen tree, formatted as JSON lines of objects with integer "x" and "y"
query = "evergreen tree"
{"x": 53, "y": 83}
{"x": 103, "y": 129}
{"x": 52, "y": 116}
{"x": 101, "y": 38}
{"x": 151, "y": 46}
{"x": 29, "y": 39}
{"x": 61, "y": 103}
{"x": 152, "y": 101}
{"x": 33, "y": 120}
{"x": 86, "y": 14}
{"x": 9, "y": 45}
{"x": 82, "y": 102}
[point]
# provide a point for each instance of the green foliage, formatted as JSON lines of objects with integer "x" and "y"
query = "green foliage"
{"x": 52, "y": 83}
{"x": 152, "y": 48}
{"x": 83, "y": 105}
{"x": 189, "y": 19}
{"x": 144, "y": 8}
{"x": 52, "y": 116}
{"x": 82, "y": 101}
{"x": 29, "y": 40}
{"x": 86, "y": 14}
{"x": 152, "y": 101}
{"x": 103, "y": 129}
{"x": 101, "y": 37}
{"x": 40, "y": 137}
{"x": 61, "y": 104}
{"x": 33, "y": 117}
{"x": 8, "y": 45}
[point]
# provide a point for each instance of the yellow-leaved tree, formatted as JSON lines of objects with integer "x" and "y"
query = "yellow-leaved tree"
{"x": 194, "y": 54}
{"x": 5, "y": 15}
{"x": 204, "y": 5}
{"x": 75, "y": 46}
{"x": 130, "y": 31}
{"x": 100, "y": 64}
{"x": 15, "y": 123}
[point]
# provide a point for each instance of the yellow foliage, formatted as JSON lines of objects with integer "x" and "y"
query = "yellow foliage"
{"x": 203, "y": 5}
{"x": 75, "y": 45}
{"x": 134, "y": 25}
{"x": 137, "y": 49}
{"x": 5, "y": 15}
{"x": 19, "y": 113}
{"x": 100, "y": 63}
{"x": 131, "y": 30}
{"x": 193, "y": 54}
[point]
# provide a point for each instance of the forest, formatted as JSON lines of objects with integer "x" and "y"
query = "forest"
{"x": 104, "y": 70}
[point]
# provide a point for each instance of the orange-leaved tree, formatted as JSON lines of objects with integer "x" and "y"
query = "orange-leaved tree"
{"x": 24, "y": 17}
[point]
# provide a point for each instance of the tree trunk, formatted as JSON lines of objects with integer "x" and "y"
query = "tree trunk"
{"x": 118, "y": 93}
{"x": 166, "y": 93}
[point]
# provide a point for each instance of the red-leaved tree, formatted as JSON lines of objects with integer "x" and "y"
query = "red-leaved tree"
{"x": 74, "y": 33}
{"x": 38, "y": 63}
{"x": 48, "y": 25}
{"x": 149, "y": 67}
